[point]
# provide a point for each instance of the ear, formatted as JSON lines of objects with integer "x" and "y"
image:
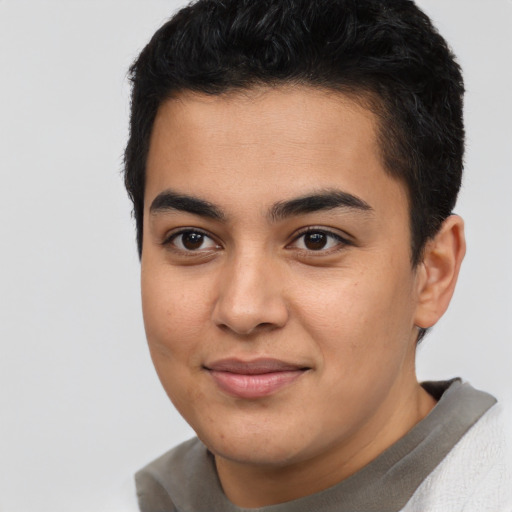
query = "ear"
{"x": 438, "y": 272}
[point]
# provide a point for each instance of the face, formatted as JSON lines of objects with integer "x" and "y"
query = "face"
{"x": 278, "y": 295}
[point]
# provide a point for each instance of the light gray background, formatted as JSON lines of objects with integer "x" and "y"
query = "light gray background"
{"x": 80, "y": 405}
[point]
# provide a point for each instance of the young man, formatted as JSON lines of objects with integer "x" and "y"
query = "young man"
{"x": 293, "y": 166}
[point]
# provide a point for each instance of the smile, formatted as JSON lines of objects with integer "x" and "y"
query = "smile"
{"x": 253, "y": 379}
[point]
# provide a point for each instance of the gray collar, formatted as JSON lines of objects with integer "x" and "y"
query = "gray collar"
{"x": 186, "y": 476}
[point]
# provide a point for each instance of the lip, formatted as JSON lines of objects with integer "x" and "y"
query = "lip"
{"x": 254, "y": 379}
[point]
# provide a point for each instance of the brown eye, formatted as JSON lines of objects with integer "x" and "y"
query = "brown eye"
{"x": 190, "y": 240}
{"x": 319, "y": 241}
{"x": 315, "y": 241}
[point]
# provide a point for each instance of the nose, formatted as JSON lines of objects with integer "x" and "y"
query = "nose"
{"x": 250, "y": 297}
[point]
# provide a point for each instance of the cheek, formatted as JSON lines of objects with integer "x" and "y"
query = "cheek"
{"x": 173, "y": 320}
{"x": 361, "y": 319}
{"x": 173, "y": 313}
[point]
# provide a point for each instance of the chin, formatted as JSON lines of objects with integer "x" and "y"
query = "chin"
{"x": 257, "y": 446}
{"x": 248, "y": 453}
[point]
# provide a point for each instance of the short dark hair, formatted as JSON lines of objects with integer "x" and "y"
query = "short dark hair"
{"x": 385, "y": 53}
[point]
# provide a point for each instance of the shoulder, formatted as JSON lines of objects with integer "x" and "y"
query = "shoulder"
{"x": 475, "y": 475}
{"x": 168, "y": 481}
{"x": 176, "y": 462}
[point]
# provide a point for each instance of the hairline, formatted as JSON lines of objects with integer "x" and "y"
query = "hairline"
{"x": 365, "y": 97}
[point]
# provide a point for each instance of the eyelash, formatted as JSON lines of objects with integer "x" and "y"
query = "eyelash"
{"x": 341, "y": 242}
{"x": 169, "y": 240}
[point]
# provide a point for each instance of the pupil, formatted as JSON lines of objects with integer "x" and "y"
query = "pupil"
{"x": 192, "y": 240}
{"x": 315, "y": 241}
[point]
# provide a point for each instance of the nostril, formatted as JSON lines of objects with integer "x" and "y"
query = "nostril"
{"x": 265, "y": 325}
{"x": 247, "y": 330}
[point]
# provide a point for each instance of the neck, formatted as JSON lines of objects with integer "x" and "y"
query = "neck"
{"x": 252, "y": 486}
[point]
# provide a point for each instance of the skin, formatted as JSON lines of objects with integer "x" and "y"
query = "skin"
{"x": 255, "y": 286}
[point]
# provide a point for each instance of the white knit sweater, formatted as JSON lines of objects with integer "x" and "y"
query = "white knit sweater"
{"x": 475, "y": 476}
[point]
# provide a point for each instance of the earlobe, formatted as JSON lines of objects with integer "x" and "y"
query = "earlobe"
{"x": 438, "y": 272}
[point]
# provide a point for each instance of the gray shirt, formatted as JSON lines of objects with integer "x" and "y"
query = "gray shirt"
{"x": 185, "y": 479}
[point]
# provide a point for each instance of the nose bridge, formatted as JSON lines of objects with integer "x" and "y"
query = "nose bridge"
{"x": 250, "y": 293}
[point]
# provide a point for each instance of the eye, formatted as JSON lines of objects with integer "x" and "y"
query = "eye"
{"x": 191, "y": 240}
{"x": 318, "y": 240}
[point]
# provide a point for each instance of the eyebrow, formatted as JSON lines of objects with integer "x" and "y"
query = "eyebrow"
{"x": 324, "y": 200}
{"x": 169, "y": 200}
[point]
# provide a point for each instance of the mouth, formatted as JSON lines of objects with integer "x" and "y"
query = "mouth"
{"x": 254, "y": 379}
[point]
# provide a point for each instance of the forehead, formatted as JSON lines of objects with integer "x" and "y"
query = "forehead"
{"x": 302, "y": 118}
{"x": 269, "y": 144}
